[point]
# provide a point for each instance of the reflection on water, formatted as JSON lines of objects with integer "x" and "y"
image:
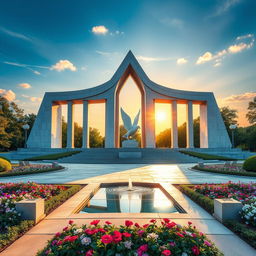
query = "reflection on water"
{"x": 115, "y": 199}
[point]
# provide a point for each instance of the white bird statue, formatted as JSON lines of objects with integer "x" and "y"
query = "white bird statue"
{"x": 130, "y": 128}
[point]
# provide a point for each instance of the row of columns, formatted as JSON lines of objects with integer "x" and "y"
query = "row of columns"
{"x": 109, "y": 138}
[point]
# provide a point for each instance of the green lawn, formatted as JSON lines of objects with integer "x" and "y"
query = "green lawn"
{"x": 206, "y": 156}
{"x": 52, "y": 156}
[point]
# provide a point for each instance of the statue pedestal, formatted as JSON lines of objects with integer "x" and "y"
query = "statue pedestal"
{"x": 130, "y": 144}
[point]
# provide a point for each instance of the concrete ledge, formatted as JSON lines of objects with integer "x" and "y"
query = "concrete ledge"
{"x": 129, "y": 155}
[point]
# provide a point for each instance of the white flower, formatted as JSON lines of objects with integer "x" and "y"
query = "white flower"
{"x": 86, "y": 240}
{"x": 77, "y": 231}
{"x": 153, "y": 236}
{"x": 184, "y": 254}
{"x": 128, "y": 244}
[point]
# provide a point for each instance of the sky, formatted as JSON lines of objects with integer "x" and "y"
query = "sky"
{"x": 198, "y": 45}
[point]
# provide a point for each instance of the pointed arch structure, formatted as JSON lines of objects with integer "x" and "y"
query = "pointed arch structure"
{"x": 46, "y": 132}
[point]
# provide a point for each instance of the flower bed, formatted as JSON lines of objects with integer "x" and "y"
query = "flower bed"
{"x": 29, "y": 169}
{"x": 11, "y": 224}
{"x": 234, "y": 169}
{"x": 130, "y": 239}
{"x": 245, "y": 193}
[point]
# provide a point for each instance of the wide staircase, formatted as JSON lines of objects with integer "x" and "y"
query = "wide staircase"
{"x": 112, "y": 156}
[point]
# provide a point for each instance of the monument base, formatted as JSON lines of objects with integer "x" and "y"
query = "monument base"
{"x": 130, "y": 144}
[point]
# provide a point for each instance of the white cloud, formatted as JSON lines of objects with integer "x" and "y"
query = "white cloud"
{"x": 62, "y": 65}
{"x": 25, "y": 85}
{"x": 26, "y": 66}
{"x": 36, "y": 72}
{"x": 176, "y": 23}
{"x": 152, "y": 59}
{"x": 84, "y": 68}
{"x": 217, "y": 64}
{"x": 8, "y": 94}
{"x": 205, "y": 58}
{"x": 99, "y": 30}
{"x": 103, "y": 53}
{"x": 181, "y": 61}
{"x": 224, "y": 7}
{"x": 14, "y": 34}
{"x": 232, "y": 49}
{"x": 244, "y": 37}
{"x": 32, "y": 98}
{"x": 240, "y": 97}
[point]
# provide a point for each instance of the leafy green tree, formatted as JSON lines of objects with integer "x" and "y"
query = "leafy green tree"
{"x": 78, "y": 135}
{"x": 95, "y": 139}
{"x": 229, "y": 117}
{"x": 251, "y": 115}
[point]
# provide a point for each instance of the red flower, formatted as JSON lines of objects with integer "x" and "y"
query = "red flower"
{"x": 89, "y": 253}
{"x": 189, "y": 223}
{"x": 171, "y": 225}
{"x": 166, "y": 220}
{"x": 106, "y": 239}
{"x": 95, "y": 222}
{"x": 137, "y": 225}
{"x": 128, "y": 223}
{"x": 153, "y": 221}
{"x": 126, "y": 234}
{"x": 102, "y": 230}
{"x": 70, "y": 222}
{"x": 108, "y": 222}
{"x": 145, "y": 226}
{"x": 64, "y": 229}
{"x": 57, "y": 234}
{"x": 90, "y": 231}
{"x": 179, "y": 234}
{"x": 70, "y": 238}
{"x": 166, "y": 252}
{"x": 117, "y": 236}
{"x": 141, "y": 232}
{"x": 195, "y": 250}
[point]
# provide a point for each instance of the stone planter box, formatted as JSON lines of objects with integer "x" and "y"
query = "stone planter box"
{"x": 31, "y": 209}
{"x": 227, "y": 209}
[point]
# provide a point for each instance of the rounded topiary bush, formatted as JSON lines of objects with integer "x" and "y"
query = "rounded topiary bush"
{"x": 250, "y": 164}
{"x": 5, "y": 165}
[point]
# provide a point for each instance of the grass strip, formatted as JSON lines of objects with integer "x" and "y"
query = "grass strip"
{"x": 206, "y": 156}
{"x": 52, "y": 156}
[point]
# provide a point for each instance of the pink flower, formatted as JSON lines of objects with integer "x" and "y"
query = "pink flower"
{"x": 70, "y": 238}
{"x": 95, "y": 222}
{"x": 141, "y": 232}
{"x": 143, "y": 248}
{"x": 179, "y": 234}
{"x": 195, "y": 250}
{"x": 172, "y": 244}
{"x": 128, "y": 223}
{"x": 66, "y": 228}
{"x": 89, "y": 253}
{"x": 207, "y": 243}
{"x": 57, "y": 234}
{"x": 106, "y": 239}
{"x": 166, "y": 252}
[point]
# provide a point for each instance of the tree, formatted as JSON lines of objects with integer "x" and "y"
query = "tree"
{"x": 78, "y": 135}
{"x": 229, "y": 117}
{"x": 251, "y": 115}
{"x": 95, "y": 139}
{"x": 163, "y": 139}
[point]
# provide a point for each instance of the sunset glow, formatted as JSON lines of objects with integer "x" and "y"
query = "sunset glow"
{"x": 160, "y": 116}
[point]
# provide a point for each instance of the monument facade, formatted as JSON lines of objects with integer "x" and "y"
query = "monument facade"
{"x": 47, "y": 129}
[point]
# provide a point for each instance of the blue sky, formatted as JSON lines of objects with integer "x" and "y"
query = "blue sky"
{"x": 205, "y": 45}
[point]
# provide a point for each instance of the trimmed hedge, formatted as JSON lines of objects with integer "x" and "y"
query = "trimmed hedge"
{"x": 250, "y": 164}
{"x": 196, "y": 167}
{"x": 14, "y": 233}
{"x": 7, "y": 174}
{"x": 55, "y": 201}
{"x": 200, "y": 199}
{"x": 5, "y": 165}
{"x": 247, "y": 234}
{"x": 206, "y": 156}
{"x": 53, "y": 156}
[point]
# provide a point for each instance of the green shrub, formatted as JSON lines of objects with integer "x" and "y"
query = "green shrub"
{"x": 250, "y": 164}
{"x": 57, "y": 200}
{"x": 53, "y": 156}
{"x": 200, "y": 199}
{"x": 5, "y": 165}
{"x": 243, "y": 231}
{"x": 14, "y": 233}
{"x": 205, "y": 156}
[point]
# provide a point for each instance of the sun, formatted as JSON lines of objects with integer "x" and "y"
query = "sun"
{"x": 160, "y": 116}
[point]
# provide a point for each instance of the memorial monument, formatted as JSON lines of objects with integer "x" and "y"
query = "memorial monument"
{"x": 47, "y": 129}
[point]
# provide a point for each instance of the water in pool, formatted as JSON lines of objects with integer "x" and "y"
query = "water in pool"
{"x": 137, "y": 200}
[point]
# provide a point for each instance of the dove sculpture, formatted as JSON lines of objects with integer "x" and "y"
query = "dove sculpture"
{"x": 130, "y": 128}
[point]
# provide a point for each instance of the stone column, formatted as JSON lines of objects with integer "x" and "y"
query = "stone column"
{"x": 56, "y": 132}
{"x": 150, "y": 123}
{"x": 174, "y": 135}
{"x": 189, "y": 126}
{"x": 203, "y": 126}
{"x": 85, "y": 124}
{"x": 110, "y": 123}
{"x": 70, "y": 125}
